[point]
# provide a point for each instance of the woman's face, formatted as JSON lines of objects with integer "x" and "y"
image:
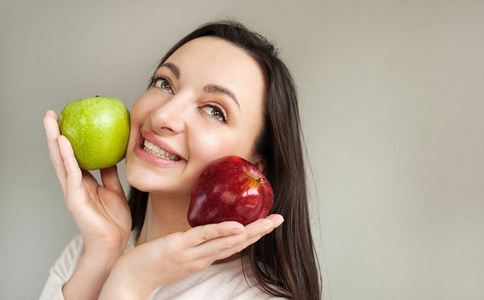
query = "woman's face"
{"x": 206, "y": 103}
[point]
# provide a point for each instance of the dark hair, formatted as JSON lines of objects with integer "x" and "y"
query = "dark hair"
{"x": 284, "y": 262}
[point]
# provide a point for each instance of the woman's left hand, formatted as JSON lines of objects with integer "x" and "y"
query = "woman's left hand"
{"x": 175, "y": 256}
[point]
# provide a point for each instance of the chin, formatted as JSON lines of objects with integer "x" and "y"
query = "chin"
{"x": 140, "y": 180}
{"x": 154, "y": 183}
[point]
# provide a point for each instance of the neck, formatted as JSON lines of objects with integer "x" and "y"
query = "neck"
{"x": 165, "y": 214}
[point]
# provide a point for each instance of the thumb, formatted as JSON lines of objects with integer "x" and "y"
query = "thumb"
{"x": 110, "y": 179}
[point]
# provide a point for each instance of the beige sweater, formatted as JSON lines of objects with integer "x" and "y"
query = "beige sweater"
{"x": 219, "y": 281}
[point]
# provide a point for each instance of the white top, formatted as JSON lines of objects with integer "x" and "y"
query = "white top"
{"x": 219, "y": 281}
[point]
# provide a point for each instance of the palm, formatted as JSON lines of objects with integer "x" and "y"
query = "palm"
{"x": 104, "y": 213}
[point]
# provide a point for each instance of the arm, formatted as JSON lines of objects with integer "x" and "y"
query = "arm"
{"x": 175, "y": 256}
{"x": 100, "y": 212}
{"x": 88, "y": 278}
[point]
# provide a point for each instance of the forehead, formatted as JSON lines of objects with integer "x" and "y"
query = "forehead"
{"x": 212, "y": 60}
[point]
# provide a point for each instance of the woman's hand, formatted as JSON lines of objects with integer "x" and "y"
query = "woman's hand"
{"x": 174, "y": 256}
{"x": 101, "y": 212}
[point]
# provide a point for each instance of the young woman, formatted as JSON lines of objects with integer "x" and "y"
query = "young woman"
{"x": 221, "y": 90}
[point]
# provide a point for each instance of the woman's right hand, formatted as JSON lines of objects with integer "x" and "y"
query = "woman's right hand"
{"x": 174, "y": 256}
{"x": 100, "y": 212}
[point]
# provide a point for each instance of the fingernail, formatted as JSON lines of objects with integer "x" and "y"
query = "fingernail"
{"x": 279, "y": 221}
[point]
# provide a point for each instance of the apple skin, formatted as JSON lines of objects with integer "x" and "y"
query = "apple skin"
{"x": 98, "y": 130}
{"x": 230, "y": 189}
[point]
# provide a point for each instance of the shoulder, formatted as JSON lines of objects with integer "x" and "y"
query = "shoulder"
{"x": 65, "y": 265}
{"x": 69, "y": 257}
{"x": 62, "y": 269}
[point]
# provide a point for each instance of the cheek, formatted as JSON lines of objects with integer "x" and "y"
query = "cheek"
{"x": 207, "y": 148}
{"x": 139, "y": 113}
{"x": 140, "y": 110}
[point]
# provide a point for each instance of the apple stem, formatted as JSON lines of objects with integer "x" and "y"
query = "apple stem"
{"x": 258, "y": 179}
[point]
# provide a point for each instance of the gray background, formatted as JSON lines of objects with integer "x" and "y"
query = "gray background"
{"x": 392, "y": 98}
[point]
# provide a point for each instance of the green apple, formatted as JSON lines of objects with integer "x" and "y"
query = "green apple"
{"x": 98, "y": 130}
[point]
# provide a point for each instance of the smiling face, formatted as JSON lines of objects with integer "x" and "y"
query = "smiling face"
{"x": 206, "y": 102}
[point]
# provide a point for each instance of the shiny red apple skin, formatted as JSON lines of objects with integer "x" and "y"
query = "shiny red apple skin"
{"x": 230, "y": 189}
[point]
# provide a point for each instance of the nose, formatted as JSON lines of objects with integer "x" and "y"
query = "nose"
{"x": 170, "y": 117}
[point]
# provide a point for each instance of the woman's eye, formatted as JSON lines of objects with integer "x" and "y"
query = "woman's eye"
{"x": 216, "y": 112}
{"x": 163, "y": 84}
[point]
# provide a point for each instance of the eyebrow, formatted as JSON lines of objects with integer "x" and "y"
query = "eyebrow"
{"x": 173, "y": 68}
{"x": 210, "y": 88}
{"x": 213, "y": 88}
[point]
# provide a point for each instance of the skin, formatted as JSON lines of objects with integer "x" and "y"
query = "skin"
{"x": 179, "y": 113}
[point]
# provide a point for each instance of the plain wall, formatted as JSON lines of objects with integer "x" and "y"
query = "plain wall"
{"x": 392, "y": 103}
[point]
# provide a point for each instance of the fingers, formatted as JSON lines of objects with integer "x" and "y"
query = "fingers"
{"x": 223, "y": 247}
{"x": 52, "y": 133}
{"x": 254, "y": 237}
{"x": 257, "y": 233}
{"x": 110, "y": 179}
{"x": 72, "y": 170}
{"x": 204, "y": 233}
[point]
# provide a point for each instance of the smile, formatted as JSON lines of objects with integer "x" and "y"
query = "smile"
{"x": 157, "y": 151}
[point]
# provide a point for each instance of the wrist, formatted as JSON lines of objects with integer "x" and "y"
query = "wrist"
{"x": 98, "y": 263}
{"x": 103, "y": 258}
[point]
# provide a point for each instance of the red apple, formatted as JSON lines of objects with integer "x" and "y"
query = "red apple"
{"x": 230, "y": 189}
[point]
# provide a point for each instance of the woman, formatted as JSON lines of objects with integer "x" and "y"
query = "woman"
{"x": 219, "y": 91}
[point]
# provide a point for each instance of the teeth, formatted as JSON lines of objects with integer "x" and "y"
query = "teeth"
{"x": 153, "y": 149}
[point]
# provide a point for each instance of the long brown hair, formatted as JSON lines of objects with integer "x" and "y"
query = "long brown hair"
{"x": 284, "y": 262}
